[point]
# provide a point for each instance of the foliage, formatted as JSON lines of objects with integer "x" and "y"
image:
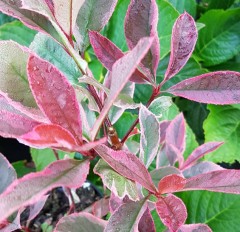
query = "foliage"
{"x": 79, "y": 91}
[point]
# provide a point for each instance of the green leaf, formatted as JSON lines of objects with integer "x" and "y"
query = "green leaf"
{"x": 218, "y": 210}
{"x": 217, "y": 4}
{"x": 5, "y": 19}
{"x": 191, "y": 69}
{"x": 191, "y": 142}
{"x": 218, "y": 43}
{"x": 50, "y": 50}
{"x": 167, "y": 17}
{"x": 142, "y": 93}
{"x": 17, "y": 32}
{"x": 42, "y": 158}
{"x": 118, "y": 184}
{"x": 21, "y": 168}
{"x": 222, "y": 124}
{"x": 185, "y": 5}
{"x": 115, "y": 27}
{"x": 157, "y": 221}
{"x": 124, "y": 123}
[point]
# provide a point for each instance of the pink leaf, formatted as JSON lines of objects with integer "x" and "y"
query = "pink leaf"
{"x": 175, "y": 135}
{"x": 199, "y": 152}
{"x": 116, "y": 202}
{"x": 33, "y": 20}
{"x": 43, "y": 136}
{"x": 127, "y": 165}
{"x": 55, "y": 96}
{"x": 108, "y": 53}
{"x": 163, "y": 128}
{"x": 200, "y": 168}
{"x": 194, "y": 228}
{"x": 101, "y": 208}
{"x": 127, "y": 216}
{"x": 171, "y": 211}
{"x": 227, "y": 181}
{"x": 184, "y": 37}
{"x": 7, "y": 173}
{"x": 29, "y": 189}
{"x": 172, "y": 183}
{"x": 15, "y": 225}
{"x": 146, "y": 223}
{"x": 83, "y": 222}
{"x": 221, "y": 87}
{"x": 141, "y": 21}
{"x": 121, "y": 72}
{"x": 13, "y": 123}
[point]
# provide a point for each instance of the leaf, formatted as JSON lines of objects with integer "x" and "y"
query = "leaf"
{"x": 150, "y": 136}
{"x": 194, "y": 228}
{"x": 22, "y": 168}
{"x": 159, "y": 173}
{"x": 222, "y": 124}
{"x": 7, "y": 173}
{"x": 227, "y": 181}
{"x": 200, "y": 152}
{"x": 160, "y": 105}
{"x": 118, "y": 184}
{"x": 211, "y": 47}
{"x": 127, "y": 165}
{"x": 185, "y": 5}
{"x": 146, "y": 223}
{"x": 141, "y": 21}
{"x": 5, "y": 19}
{"x": 55, "y": 96}
{"x": 122, "y": 71}
{"x": 48, "y": 49}
{"x": 52, "y": 135}
{"x": 172, "y": 211}
{"x": 65, "y": 13}
{"x": 84, "y": 222}
{"x": 101, "y": 207}
{"x": 200, "y": 168}
{"x": 93, "y": 15}
{"x": 167, "y": 14}
{"x": 27, "y": 190}
{"x": 108, "y": 53}
{"x": 127, "y": 217}
{"x": 217, "y": 210}
{"x": 171, "y": 183}
{"x": 18, "y": 32}
{"x": 32, "y": 19}
{"x": 12, "y": 122}
{"x": 215, "y": 4}
{"x": 220, "y": 87}
{"x": 184, "y": 37}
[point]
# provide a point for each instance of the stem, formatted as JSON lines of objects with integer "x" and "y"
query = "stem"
{"x": 155, "y": 92}
{"x": 56, "y": 154}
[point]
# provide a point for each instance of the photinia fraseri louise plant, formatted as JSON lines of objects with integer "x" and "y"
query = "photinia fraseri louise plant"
{"x": 41, "y": 108}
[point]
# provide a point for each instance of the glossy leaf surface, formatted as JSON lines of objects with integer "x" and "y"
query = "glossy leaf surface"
{"x": 31, "y": 187}
{"x": 222, "y": 87}
{"x": 55, "y": 96}
{"x": 141, "y": 21}
{"x": 127, "y": 165}
{"x": 184, "y": 37}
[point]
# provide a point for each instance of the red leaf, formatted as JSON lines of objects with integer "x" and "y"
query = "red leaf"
{"x": 122, "y": 71}
{"x": 43, "y": 136}
{"x": 171, "y": 211}
{"x": 146, "y": 223}
{"x": 101, "y": 208}
{"x": 172, "y": 183}
{"x": 199, "y": 152}
{"x": 221, "y": 87}
{"x": 227, "y": 181}
{"x": 108, "y": 53}
{"x": 29, "y": 189}
{"x": 184, "y": 37}
{"x": 127, "y": 165}
{"x": 55, "y": 96}
{"x": 141, "y": 21}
